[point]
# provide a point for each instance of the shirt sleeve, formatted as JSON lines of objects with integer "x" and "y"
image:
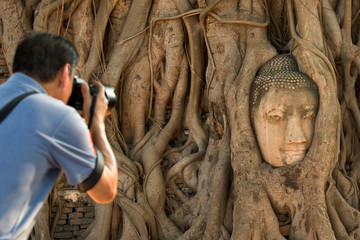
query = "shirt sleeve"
{"x": 72, "y": 149}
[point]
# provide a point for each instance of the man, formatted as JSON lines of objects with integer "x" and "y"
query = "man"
{"x": 42, "y": 135}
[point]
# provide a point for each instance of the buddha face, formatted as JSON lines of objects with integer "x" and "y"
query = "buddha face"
{"x": 284, "y": 124}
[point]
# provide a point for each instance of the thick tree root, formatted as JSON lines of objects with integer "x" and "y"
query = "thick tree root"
{"x": 345, "y": 219}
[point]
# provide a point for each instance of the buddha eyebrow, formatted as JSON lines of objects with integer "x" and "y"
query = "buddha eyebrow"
{"x": 276, "y": 110}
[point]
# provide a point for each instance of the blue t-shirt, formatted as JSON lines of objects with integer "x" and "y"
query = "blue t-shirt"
{"x": 38, "y": 138}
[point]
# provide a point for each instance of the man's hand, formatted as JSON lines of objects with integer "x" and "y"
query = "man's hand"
{"x": 101, "y": 105}
{"x": 105, "y": 189}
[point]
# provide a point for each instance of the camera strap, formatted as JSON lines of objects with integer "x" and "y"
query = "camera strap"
{"x": 4, "y": 112}
{"x": 92, "y": 107}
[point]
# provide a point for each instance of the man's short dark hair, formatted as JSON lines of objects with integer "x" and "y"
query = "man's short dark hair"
{"x": 42, "y": 55}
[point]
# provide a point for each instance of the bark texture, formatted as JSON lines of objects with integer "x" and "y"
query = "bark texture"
{"x": 189, "y": 164}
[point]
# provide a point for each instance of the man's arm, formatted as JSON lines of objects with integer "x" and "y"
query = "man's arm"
{"x": 105, "y": 189}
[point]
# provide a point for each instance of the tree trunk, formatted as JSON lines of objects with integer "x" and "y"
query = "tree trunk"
{"x": 190, "y": 165}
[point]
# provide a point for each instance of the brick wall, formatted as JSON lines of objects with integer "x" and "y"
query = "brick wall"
{"x": 74, "y": 218}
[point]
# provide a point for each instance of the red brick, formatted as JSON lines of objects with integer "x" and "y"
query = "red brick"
{"x": 68, "y": 228}
{"x": 61, "y": 222}
{"x": 89, "y": 214}
{"x": 70, "y": 205}
{"x": 59, "y": 228}
{"x": 79, "y": 232}
{"x": 81, "y": 221}
{"x": 75, "y": 215}
{"x": 62, "y": 216}
{"x": 85, "y": 209}
{"x": 67, "y": 210}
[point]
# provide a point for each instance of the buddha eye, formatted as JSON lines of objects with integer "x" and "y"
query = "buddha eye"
{"x": 276, "y": 117}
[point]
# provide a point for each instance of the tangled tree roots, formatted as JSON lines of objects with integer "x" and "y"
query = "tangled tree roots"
{"x": 189, "y": 164}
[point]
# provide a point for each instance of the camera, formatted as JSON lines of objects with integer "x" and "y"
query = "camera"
{"x": 76, "y": 99}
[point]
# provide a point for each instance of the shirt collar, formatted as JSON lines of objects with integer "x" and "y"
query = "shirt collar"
{"x": 26, "y": 81}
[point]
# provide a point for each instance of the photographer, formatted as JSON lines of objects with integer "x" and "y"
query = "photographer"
{"x": 42, "y": 135}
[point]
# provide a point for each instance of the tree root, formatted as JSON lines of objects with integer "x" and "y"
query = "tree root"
{"x": 196, "y": 62}
{"x": 13, "y": 28}
{"x": 347, "y": 187}
{"x": 138, "y": 217}
{"x": 44, "y": 10}
{"x": 255, "y": 217}
{"x": 96, "y": 50}
{"x": 116, "y": 20}
{"x": 195, "y": 231}
{"x": 178, "y": 168}
{"x": 150, "y": 66}
{"x": 82, "y": 32}
{"x": 345, "y": 220}
{"x": 102, "y": 221}
{"x": 41, "y": 227}
{"x": 122, "y": 56}
{"x": 331, "y": 28}
{"x": 134, "y": 101}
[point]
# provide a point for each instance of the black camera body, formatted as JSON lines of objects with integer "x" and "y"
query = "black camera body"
{"x": 76, "y": 99}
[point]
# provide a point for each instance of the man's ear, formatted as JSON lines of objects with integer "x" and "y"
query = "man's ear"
{"x": 64, "y": 75}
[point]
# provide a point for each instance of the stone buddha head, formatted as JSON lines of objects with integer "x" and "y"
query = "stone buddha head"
{"x": 283, "y": 104}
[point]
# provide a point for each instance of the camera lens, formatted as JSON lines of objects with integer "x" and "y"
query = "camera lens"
{"x": 110, "y": 95}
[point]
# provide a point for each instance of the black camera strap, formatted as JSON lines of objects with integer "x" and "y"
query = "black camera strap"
{"x": 92, "y": 107}
{"x": 4, "y": 112}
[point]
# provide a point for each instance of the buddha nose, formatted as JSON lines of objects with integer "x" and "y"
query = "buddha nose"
{"x": 294, "y": 131}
